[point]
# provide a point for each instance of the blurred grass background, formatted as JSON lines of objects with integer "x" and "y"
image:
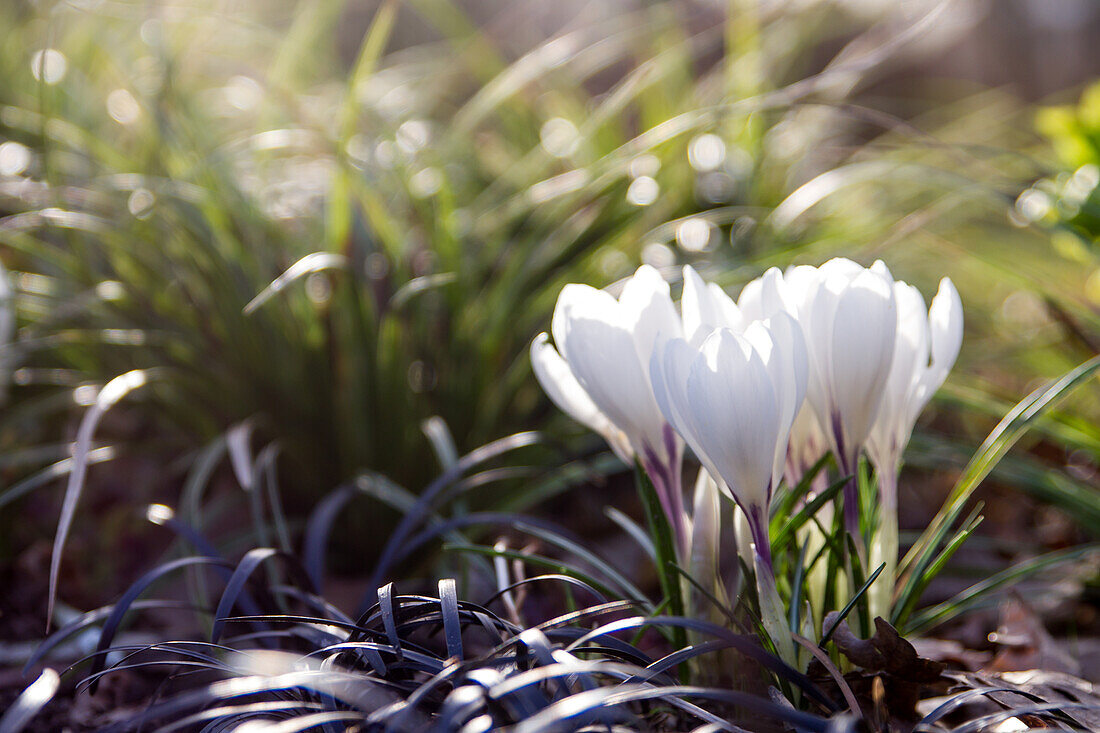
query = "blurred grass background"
{"x": 336, "y": 220}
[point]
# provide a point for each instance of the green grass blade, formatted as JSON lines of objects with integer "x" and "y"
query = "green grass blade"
{"x": 797, "y": 589}
{"x": 978, "y": 593}
{"x": 851, "y": 604}
{"x": 921, "y": 575}
{"x": 663, "y": 541}
{"x": 1011, "y": 428}
{"x": 783, "y": 532}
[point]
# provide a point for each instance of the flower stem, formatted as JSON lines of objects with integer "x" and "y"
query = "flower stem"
{"x": 884, "y": 549}
{"x": 758, "y": 527}
{"x": 849, "y": 466}
{"x": 668, "y": 485}
{"x": 678, "y": 518}
{"x": 772, "y": 613}
{"x": 851, "y": 502}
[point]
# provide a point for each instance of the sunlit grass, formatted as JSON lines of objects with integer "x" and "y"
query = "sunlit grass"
{"x": 326, "y": 251}
{"x": 173, "y": 167}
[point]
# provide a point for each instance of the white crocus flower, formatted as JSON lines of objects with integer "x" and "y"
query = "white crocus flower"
{"x": 925, "y": 349}
{"x": 599, "y": 374}
{"x": 850, "y": 336}
{"x": 733, "y": 399}
{"x": 763, "y": 297}
{"x": 848, "y": 317}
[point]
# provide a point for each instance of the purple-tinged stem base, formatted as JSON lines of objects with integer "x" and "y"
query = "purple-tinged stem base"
{"x": 668, "y": 483}
{"x": 758, "y": 527}
{"x": 848, "y": 467}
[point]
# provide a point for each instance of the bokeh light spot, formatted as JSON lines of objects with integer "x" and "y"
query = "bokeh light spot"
{"x": 426, "y": 182}
{"x": 123, "y": 107}
{"x": 141, "y": 202}
{"x": 14, "y": 158}
{"x": 693, "y": 235}
{"x": 643, "y": 191}
{"x": 559, "y": 137}
{"x": 1092, "y": 288}
{"x": 706, "y": 152}
{"x": 646, "y": 164}
{"x": 658, "y": 255}
{"x": 413, "y": 135}
{"x": 49, "y": 65}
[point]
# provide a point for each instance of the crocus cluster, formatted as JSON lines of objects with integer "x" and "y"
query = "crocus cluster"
{"x": 599, "y": 374}
{"x": 838, "y": 357}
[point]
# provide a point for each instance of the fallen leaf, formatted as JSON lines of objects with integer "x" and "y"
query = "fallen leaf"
{"x": 886, "y": 651}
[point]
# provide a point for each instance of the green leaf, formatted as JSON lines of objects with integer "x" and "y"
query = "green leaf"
{"x": 1010, "y": 429}
{"x": 857, "y": 579}
{"x": 786, "y": 531}
{"x": 978, "y": 594}
{"x": 785, "y": 500}
{"x": 527, "y": 557}
{"x": 851, "y": 604}
{"x": 665, "y": 546}
{"x": 797, "y": 588}
{"x": 921, "y": 575}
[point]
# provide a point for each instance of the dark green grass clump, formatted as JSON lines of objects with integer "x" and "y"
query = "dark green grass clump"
{"x": 277, "y": 652}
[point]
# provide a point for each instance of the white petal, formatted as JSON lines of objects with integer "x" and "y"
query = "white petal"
{"x": 817, "y": 319}
{"x": 788, "y": 365}
{"x": 695, "y": 307}
{"x": 800, "y": 285}
{"x": 706, "y": 529}
{"x": 733, "y": 405}
{"x": 560, "y": 385}
{"x": 912, "y": 319}
{"x": 760, "y": 337}
{"x": 577, "y": 300}
{"x": 750, "y": 301}
{"x": 890, "y": 431}
{"x": 728, "y": 315}
{"x": 912, "y": 344}
{"x": 647, "y": 311}
{"x": 945, "y": 327}
{"x": 563, "y": 389}
{"x": 669, "y": 371}
{"x": 945, "y": 319}
{"x": 744, "y": 536}
{"x": 842, "y": 267}
{"x": 806, "y": 445}
{"x": 861, "y": 352}
{"x": 603, "y": 358}
{"x": 765, "y": 296}
{"x": 879, "y": 268}
{"x": 705, "y": 307}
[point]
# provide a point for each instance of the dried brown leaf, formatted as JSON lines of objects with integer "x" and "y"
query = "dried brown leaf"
{"x": 886, "y": 651}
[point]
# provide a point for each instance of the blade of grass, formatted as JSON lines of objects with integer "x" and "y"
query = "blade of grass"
{"x": 111, "y": 393}
{"x": 664, "y": 545}
{"x": 784, "y": 532}
{"x": 796, "y": 589}
{"x": 977, "y": 593}
{"x": 851, "y": 604}
{"x": 30, "y": 702}
{"x": 921, "y": 576}
{"x": 1011, "y": 428}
